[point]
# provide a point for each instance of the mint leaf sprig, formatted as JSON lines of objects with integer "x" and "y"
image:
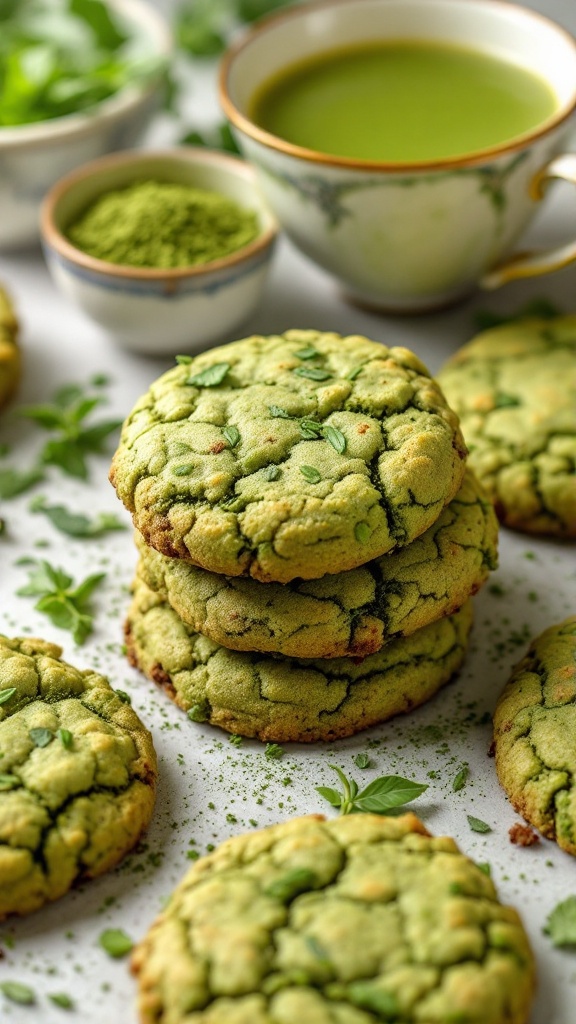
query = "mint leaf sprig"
{"x": 76, "y": 524}
{"x": 379, "y": 797}
{"x": 66, "y": 604}
{"x": 74, "y": 438}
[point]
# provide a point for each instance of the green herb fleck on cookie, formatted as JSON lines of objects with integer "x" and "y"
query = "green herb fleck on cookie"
{"x": 211, "y": 377}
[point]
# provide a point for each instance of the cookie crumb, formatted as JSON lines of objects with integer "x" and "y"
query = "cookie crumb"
{"x": 523, "y": 835}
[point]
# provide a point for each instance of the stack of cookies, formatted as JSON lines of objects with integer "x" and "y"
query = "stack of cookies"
{"x": 309, "y": 535}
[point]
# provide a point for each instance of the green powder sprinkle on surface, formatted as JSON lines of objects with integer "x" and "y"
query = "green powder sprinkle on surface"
{"x": 163, "y": 225}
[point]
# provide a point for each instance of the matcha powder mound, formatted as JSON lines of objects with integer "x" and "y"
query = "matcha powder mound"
{"x": 163, "y": 225}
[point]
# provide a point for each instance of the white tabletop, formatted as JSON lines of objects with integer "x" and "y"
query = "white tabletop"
{"x": 210, "y": 789}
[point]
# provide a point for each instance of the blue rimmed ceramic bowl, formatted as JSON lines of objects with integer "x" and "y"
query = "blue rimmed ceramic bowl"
{"x": 160, "y": 312}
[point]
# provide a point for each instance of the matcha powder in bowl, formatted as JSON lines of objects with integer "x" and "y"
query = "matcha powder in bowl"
{"x": 160, "y": 224}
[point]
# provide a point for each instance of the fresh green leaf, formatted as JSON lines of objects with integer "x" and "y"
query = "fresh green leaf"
{"x": 312, "y": 475}
{"x": 310, "y": 429}
{"x": 271, "y": 472}
{"x": 184, "y": 469}
{"x": 232, "y": 435}
{"x": 14, "y": 482}
{"x": 41, "y": 737}
{"x": 362, "y": 760}
{"x": 277, "y": 412}
{"x": 183, "y": 360}
{"x": 352, "y": 374}
{"x": 312, "y": 372}
{"x": 273, "y": 751}
{"x": 211, "y": 377}
{"x": 336, "y": 438}
{"x": 124, "y": 697}
{"x": 66, "y": 606}
{"x": 307, "y": 353}
{"x": 97, "y": 15}
{"x": 561, "y": 923}
{"x": 460, "y": 778}
{"x": 331, "y": 795}
{"x": 115, "y": 942}
{"x": 62, "y": 1000}
{"x": 477, "y": 825}
{"x": 65, "y": 737}
{"x": 75, "y": 524}
{"x": 378, "y": 797}
{"x": 16, "y": 992}
{"x": 6, "y": 693}
{"x": 388, "y": 792}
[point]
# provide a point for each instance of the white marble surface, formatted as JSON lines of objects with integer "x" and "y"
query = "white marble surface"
{"x": 210, "y": 789}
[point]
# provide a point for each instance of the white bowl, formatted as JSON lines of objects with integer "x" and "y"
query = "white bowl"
{"x": 160, "y": 311}
{"x": 34, "y": 156}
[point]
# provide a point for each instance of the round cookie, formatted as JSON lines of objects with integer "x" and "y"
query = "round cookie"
{"x": 289, "y": 456}
{"x": 77, "y": 776}
{"x": 351, "y": 613}
{"x": 514, "y": 389}
{"x": 280, "y": 699}
{"x": 9, "y": 351}
{"x": 356, "y": 920}
{"x": 535, "y": 734}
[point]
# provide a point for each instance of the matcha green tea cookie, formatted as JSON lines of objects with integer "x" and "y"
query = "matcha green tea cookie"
{"x": 347, "y": 613}
{"x": 289, "y": 456}
{"x": 514, "y": 388}
{"x": 283, "y": 699}
{"x": 77, "y": 775}
{"x": 9, "y": 351}
{"x": 357, "y": 920}
{"x": 535, "y": 734}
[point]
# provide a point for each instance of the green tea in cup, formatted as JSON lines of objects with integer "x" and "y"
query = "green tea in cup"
{"x": 404, "y": 144}
{"x": 402, "y": 101}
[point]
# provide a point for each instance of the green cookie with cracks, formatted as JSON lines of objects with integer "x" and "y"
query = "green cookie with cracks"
{"x": 77, "y": 775}
{"x": 535, "y": 734}
{"x": 289, "y": 456}
{"x": 351, "y": 613}
{"x": 281, "y": 699}
{"x": 357, "y": 920}
{"x": 514, "y": 389}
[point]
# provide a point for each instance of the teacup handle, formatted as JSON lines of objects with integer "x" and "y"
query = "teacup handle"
{"x": 530, "y": 264}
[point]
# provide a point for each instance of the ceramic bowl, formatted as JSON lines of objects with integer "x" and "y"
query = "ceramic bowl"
{"x": 414, "y": 236}
{"x": 160, "y": 311}
{"x": 34, "y": 156}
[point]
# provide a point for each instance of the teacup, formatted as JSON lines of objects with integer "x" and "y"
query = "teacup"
{"x": 415, "y": 234}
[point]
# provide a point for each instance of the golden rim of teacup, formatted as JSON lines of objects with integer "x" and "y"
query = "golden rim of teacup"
{"x": 55, "y": 238}
{"x": 244, "y": 124}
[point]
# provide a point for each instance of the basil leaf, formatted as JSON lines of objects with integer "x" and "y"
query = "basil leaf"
{"x": 388, "y": 792}
{"x": 312, "y": 372}
{"x": 272, "y": 472}
{"x": 331, "y": 795}
{"x": 5, "y": 694}
{"x": 460, "y": 778}
{"x": 75, "y": 524}
{"x": 14, "y": 482}
{"x": 477, "y": 825}
{"x": 41, "y": 737}
{"x": 232, "y": 435}
{"x": 62, "y": 1000}
{"x": 312, "y": 475}
{"x": 307, "y": 353}
{"x": 65, "y": 737}
{"x": 310, "y": 429}
{"x": 16, "y": 992}
{"x": 211, "y": 376}
{"x": 362, "y": 760}
{"x": 336, "y": 438}
{"x": 352, "y": 374}
{"x": 277, "y": 412}
{"x": 561, "y": 923}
